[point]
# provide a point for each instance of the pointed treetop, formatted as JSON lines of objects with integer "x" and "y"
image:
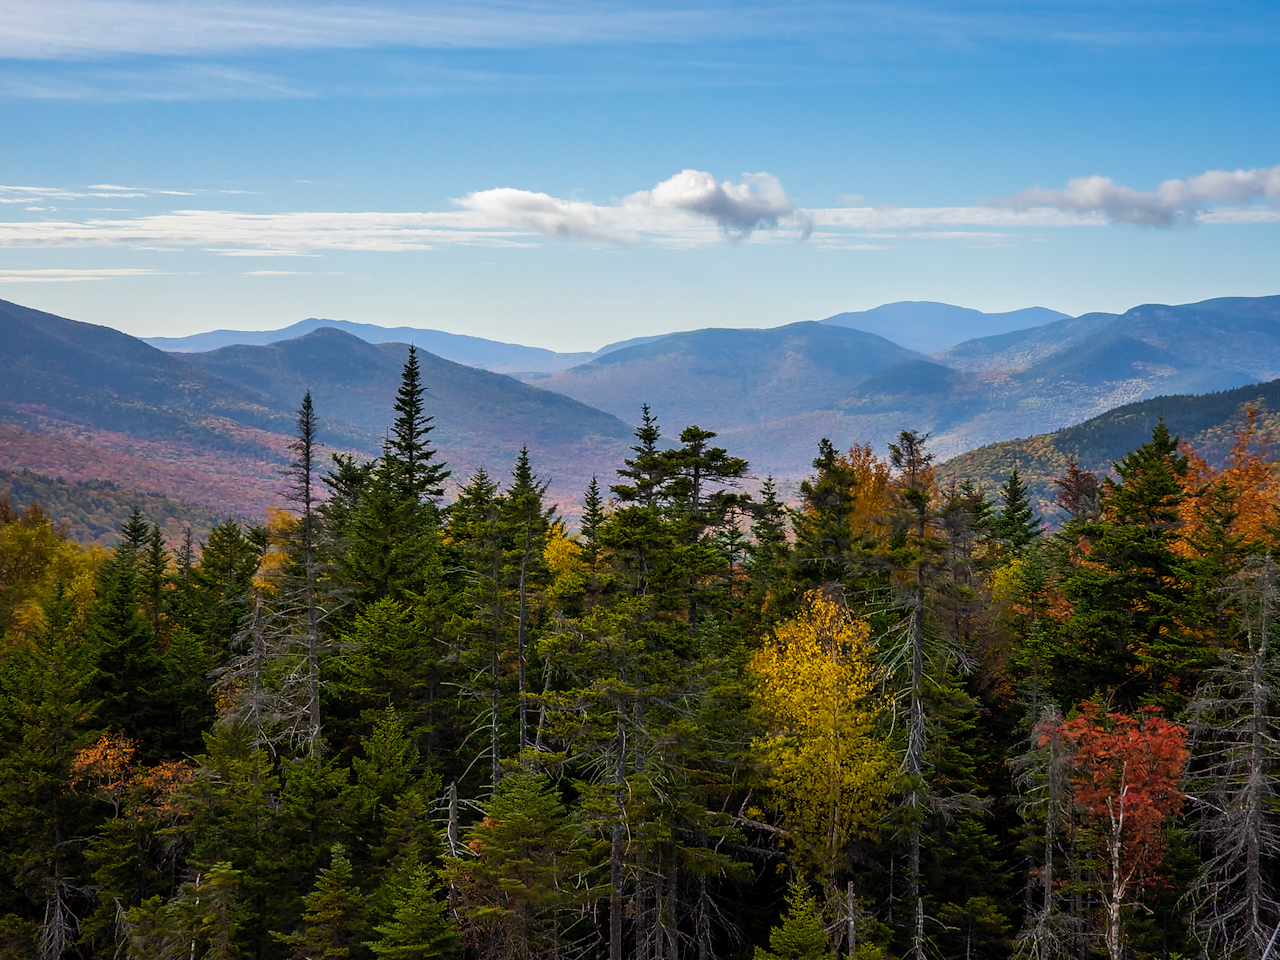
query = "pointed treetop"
{"x": 135, "y": 532}
{"x": 406, "y": 450}
{"x": 1015, "y": 523}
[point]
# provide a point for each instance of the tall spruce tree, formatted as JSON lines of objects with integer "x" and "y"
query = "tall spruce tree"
{"x": 1015, "y": 523}
{"x": 1130, "y": 626}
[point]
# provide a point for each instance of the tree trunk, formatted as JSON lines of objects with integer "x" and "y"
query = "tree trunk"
{"x": 524, "y": 607}
{"x": 616, "y": 911}
{"x": 915, "y": 770}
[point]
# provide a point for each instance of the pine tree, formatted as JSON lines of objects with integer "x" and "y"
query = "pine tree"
{"x": 800, "y": 936}
{"x": 1015, "y": 524}
{"x": 475, "y": 532}
{"x": 128, "y": 671}
{"x": 528, "y": 526}
{"x": 592, "y": 517}
{"x": 303, "y": 493}
{"x": 419, "y": 476}
{"x": 1131, "y": 599}
{"x": 646, "y": 471}
{"x": 419, "y": 927}
{"x": 333, "y": 917}
{"x": 393, "y": 522}
{"x": 516, "y": 893}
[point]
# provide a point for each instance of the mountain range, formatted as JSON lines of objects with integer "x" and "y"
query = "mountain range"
{"x": 83, "y": 402}
{"x": 918, "y": 325}
{"x": 492, "y": 355}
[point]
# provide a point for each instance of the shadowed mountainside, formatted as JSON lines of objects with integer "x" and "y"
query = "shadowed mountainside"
{"x": 88, "y": 403}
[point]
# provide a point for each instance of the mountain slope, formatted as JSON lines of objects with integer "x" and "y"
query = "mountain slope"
{"x": 722, "y": 378}
{"x": 90, "y": 403}
{"x": 103, "y": 379}
{"x": 481, "y": 418}
{"x": 1204, "y": 421}
{"x": 928, "y": 326}
{"x": 95, "y": 510}
{"x": 474, "y": 351}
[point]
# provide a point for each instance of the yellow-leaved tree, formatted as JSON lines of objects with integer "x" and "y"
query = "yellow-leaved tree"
{"x": 829, "y": 772}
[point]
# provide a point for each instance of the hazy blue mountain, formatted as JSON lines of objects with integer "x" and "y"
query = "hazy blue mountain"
{"x": 90, "y": 403}
{"x": 773, "y": 394}
{"x": 491, "y": 355}
{"x": 721, "y": 378}
{"x": 928, "y": 327}
{"x": 481, "y": 418}
{"x": 922, "y": 326}
{"x": 1020, "y": 349}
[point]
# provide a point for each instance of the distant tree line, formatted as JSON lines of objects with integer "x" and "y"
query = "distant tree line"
{"x": 894, "y": 720}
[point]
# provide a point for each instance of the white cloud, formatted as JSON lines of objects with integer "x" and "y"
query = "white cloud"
{"x": 679, "y": 209}
{"x": 550, "y": 216}
{"x": 1172, "y": 203}
{"x": 736, "y": 208}
{"x": 690, "y": 209}
{"x": 69, "y": 275}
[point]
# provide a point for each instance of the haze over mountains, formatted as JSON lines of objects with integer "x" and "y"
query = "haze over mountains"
{"x": 86, "y": 402}
{"x": 492, "y": 355}
{"x": 927, "y": 326}
{"x": 917, "y": 325}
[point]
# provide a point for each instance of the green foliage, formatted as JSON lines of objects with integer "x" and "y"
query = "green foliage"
{"x": 617, "y": 743}
{"x": 800, "y": 936}
{"x": 419, "y": 927}
{"x": 333, "y": 915}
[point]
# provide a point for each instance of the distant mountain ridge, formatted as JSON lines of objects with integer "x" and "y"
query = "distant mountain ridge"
{"x": 927, "y": 326}
{"x": 493, "y": 355}
{"x": 918, "y": 325}
{"x": 87, "y": 403}
{"x": 772, "y": 394}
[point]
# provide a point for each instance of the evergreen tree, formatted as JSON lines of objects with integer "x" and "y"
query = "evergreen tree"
{"x": 592, "y": 517}
{"x": 1130, "y": 624}
{"x": 419, "y": 927}
{"x": 419, "y": 477}
{"x": 1015, "y": 524}
{"x": 476, "y": 534}
{"x": 528, "y": 524}
{"x": 333, "y": 917}
{"x": 647, "y": 470}
{"x": 128, "y": 673}
{"x": 517, "y": 894}
{"x": 800, "y": 936}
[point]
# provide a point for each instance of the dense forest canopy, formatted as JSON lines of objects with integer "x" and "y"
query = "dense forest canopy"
{"x": 896, "y": 720}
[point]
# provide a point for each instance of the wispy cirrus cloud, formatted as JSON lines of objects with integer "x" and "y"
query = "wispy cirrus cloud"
{"x": 69, "y": 275}
{"x": 72, "y": 29}
{"x": 1172, "y": 203}
{"x": 77, "y": 29}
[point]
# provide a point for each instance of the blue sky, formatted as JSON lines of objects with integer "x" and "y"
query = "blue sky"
{"x": 568, "y": 174}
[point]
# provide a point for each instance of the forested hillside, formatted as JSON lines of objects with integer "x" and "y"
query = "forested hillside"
{"x": 1207, "y": 422}
{"x": 900, "y": 720}
{"x": 93, "y": 511}
{"x": 89, "y": 403}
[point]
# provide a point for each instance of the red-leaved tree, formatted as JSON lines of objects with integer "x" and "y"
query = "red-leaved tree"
{"x": 1127, "y": 779}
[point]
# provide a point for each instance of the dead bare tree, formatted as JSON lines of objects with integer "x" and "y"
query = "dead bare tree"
{"x": 1235, "y": 730}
